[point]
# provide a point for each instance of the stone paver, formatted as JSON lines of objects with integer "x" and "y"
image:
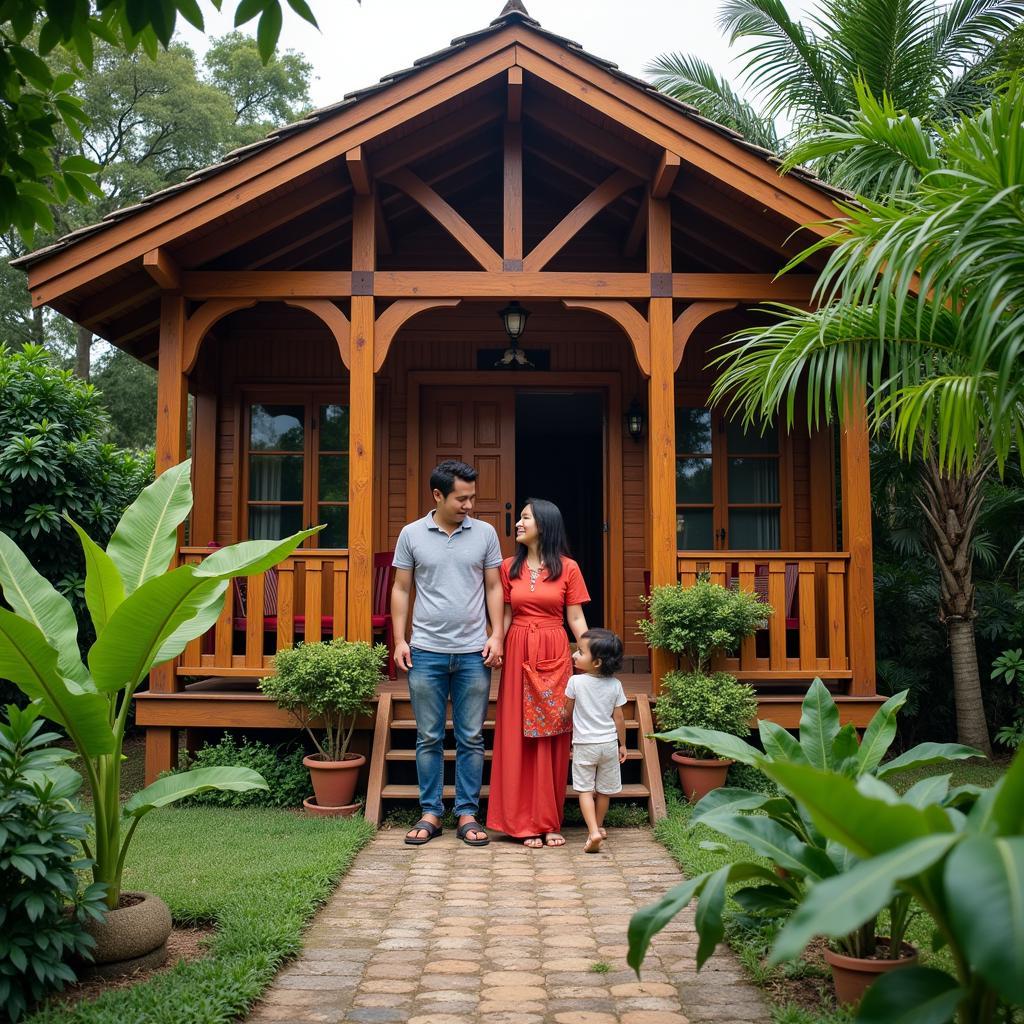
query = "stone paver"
{"x": 445, "y": 933}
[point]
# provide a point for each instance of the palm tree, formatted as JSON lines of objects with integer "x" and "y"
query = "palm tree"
{"x": 922, "y": 305}
{"x": 936, "y": 61}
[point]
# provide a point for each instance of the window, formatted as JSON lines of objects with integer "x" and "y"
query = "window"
{"x": 297, "y": 464}
{"x": 728, "y": 492}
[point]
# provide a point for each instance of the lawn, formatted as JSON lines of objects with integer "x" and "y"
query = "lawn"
{"x": 800, "y": 992}
{"x": 257, "y": 874}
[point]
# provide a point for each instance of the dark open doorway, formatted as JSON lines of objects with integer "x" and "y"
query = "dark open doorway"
{"x": 560, "y": 456}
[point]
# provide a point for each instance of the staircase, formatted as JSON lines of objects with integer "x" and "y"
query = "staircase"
{"x": 393, "y": 760}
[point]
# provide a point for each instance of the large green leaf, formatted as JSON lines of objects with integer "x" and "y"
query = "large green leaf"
{"x": 1000, "y": 811}
{"x": 865, "y": 825}
{"x": 845, "y": 750}
{"x": 172, "y": 788}
{"x": 932, "y": 790}
{"x": 146, "y": 538}
{"x": 927, "y": 753}
{"x": 838, "y": 905}
{"x": 104, "y": 589}
{"x": 64, "y": 781}
{"x": 34, "y": 598}
{"x": 205, "y": 617}
{"x": 880, "y": 733}
{"x": 776, "y": 842}
{"x": 708, "y": 918}
{"x": 819, "y": 723}
{"x": 729, "y": 800}
{"x": 251, "y": 556}
{"x": 911, "y": 995}
{"x": 779, "y": 744}
{"x": 27, "y": 660}
{"x": 724, "y": 744}
{"x": 984, "y": 884}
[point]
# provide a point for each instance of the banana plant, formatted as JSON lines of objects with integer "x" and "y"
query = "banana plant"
{"x": 143, "y": 614}
{"x": 785, "y": 832}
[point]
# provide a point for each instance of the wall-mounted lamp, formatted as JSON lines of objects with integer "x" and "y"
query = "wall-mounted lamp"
{"x": 635, "y": 420}
{"x": 513, "y": 318}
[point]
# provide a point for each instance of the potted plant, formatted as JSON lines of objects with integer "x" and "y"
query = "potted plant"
{"x": 143, "y": 615}
{"x": 331, "y": 683}
{"x": 778, "y": 828}
{"x": 696, "y": 623}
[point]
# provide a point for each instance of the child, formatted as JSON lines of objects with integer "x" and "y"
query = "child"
{"x": 594, "y": 699}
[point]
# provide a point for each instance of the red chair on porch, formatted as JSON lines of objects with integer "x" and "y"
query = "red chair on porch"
{"x": 383, "y": 578}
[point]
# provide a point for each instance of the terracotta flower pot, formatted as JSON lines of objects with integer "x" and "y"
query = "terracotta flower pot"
{"x": 131, "y": 937}
{"x": 334, "y": 782}
{"x": 698, "y": 776}
{"x": 852, "y": 976}
{"x": 312, "y": 808}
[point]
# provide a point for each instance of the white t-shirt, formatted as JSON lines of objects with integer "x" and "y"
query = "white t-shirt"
{"x": 596, "y": 698}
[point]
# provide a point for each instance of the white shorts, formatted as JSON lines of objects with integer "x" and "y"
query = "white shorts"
{"x": 595, "y": 768}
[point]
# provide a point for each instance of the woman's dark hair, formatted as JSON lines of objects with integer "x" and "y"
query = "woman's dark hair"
{"x": 443, "y": 477}
{"x": 553, "y": 544}
{"x": 605, "y": 647}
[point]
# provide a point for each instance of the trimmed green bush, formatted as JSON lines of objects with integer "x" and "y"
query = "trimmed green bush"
{"x": 286, "y": 776}
{"x": 43, "y": 907}
{"x": 718, "y": 701}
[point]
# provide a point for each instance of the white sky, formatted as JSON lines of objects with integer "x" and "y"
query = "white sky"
{"x": 358, "y": 44}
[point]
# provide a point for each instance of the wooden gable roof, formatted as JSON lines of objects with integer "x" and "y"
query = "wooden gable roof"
{"x": 270, "y": 199}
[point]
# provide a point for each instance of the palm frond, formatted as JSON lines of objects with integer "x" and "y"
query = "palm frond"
{"x": 971, "y": 29}
{"x": 694, "y": 81}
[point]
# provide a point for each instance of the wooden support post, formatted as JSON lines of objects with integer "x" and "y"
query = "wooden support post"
{"x": 661, "y": 442}
{"x": 360, "y": 462}
{"x": 513, "y": 198}
{"x": 860, "y": 603}
{"x": 204, "y": 470}
{"x": 515, "y": 94}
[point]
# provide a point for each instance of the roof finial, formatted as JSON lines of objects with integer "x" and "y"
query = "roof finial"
{"x": 514, "y": 7}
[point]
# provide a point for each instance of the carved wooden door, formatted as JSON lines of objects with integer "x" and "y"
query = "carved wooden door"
{"x": 475, "y": 425}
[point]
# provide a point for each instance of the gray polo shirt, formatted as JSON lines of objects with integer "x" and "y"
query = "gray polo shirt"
{"x": 450, "y": 612}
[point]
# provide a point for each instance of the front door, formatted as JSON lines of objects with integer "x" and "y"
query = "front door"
{"x": 475, "y": 425}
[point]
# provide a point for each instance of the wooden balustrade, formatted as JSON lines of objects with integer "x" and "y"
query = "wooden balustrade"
{"x": 806, "y": 634}
{"x": 305, "y": 597}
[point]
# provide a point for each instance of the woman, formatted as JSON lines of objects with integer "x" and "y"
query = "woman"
{"x": 542, "y": 586}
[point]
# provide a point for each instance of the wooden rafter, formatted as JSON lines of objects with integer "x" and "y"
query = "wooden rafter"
{"x": 688, "y": 321}
{"x": 394, "y": 317}
{"x": 665, "y": 175}
{"x": 512, "y": 201}
{"x": 163, "y": 269}
{"x": 637, "y": 230}
{"x": 358, "y": 170}
{"x": 633, "y": 323}
{"x": 124, "y": 295}
{"x": 608, "y": 191}
{"x": 453, "y": 222}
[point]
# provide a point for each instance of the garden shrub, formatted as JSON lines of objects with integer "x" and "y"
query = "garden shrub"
{"x": 286, "y": 776}
{"x": 42, "y": 906}
{"x": 717, "y": 701}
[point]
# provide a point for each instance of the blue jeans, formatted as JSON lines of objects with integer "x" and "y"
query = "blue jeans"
{"x": 432, "y": 678}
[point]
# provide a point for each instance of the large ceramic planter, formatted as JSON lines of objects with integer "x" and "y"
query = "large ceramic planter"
{"x": 852, "y": 976}
{"x": 334, "y": 782}
{"x": 698, "y": 776}
{"x": 130, "y": 938}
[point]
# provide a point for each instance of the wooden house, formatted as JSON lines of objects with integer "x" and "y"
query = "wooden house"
{"x": 330, "y": 300}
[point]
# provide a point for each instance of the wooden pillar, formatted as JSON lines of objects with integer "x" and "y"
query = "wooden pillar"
{"x": 171, "y": 413}
{"x": 661, "y": 442}
{"x": 204, "y": 469}
{"x": 360, "y": 464}
{"x": 860, "y": 592}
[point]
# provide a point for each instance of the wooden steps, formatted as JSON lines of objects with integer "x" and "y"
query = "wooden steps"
{"x": 393, "y": 761}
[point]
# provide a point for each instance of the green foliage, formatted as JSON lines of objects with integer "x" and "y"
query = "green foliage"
{"x": 701, "y": 620}
{"x": 54, "y": 462}
{"x": 44, "y": 908}
{"x": 143, "y": 615}
{"x": 283, "y": 866}
{"x": 334, "y": 680}
{"x": 287, "y": 779}
{"x": 718, "y": 701}
{"x": 127, "y": 387}
{"x": 40, "y": 106}
{"x": 1009, "y": 666}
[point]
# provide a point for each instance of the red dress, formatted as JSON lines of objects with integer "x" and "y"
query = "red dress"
{"x": 528, "y": 775}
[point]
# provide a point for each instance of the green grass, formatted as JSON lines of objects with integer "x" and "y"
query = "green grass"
{"x": 752, "y": 945}
{"x": 257, "y": 874}
{"x": 600, "y": 967}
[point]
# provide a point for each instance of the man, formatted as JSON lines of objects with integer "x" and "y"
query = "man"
{"x": 454, "y": 562}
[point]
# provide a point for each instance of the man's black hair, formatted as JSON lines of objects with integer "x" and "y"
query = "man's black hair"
{"x": 606, "y": 648}
{"x": 443, "y": 477}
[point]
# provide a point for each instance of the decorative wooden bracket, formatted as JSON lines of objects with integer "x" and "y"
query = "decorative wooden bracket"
{"x": 392, "y": 319}
{"x": 161, "y": 266}
{"x": 197, "y": 326}
{"x": 608, "y": 191}
{"x": 689, "y": 320}
{"x": 633, "y": 323}
{"x": 333, "y": 317}
{"x": 454, "y": 223}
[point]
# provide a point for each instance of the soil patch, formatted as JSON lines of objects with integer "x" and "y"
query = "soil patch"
{"x": 806, "y": 983}
{"x": 183, "y": 944}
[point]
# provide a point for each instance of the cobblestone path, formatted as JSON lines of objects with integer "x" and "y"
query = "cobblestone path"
{"x": 445, "y": 933}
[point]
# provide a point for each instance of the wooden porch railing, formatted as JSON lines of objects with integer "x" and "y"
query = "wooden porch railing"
{"x": 806, "y": 634}
{"x": 303, "y": 598}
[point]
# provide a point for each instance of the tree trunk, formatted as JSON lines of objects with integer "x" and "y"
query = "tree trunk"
{"x": 951, "y": 505}
{"x": 83, "y": 352}
{"x": 38, "y": 333}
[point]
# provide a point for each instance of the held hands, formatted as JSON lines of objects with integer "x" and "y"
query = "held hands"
{"x": 493, "y": 651}
{"x": 403, "y": 656}
{"x": 622, "y": 753}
